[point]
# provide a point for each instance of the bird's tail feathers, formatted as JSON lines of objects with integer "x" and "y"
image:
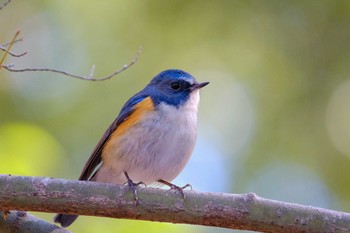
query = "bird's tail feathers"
{"x": 65, "y": 219}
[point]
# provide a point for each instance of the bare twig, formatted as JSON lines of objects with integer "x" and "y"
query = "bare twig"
{"x": 9, "y": 48}
{"x": 11, "y": 53}
{"x": 245, "y": 211}
{"x": 89, "y": 78}
{"x": 4, "y": 4}
{"x": 7, "y": 43}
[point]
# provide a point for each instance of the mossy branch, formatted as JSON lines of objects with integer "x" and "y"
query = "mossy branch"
{"x": 246, "y": 211}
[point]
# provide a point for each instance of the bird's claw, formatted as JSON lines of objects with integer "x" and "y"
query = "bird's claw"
{"x": 175, "y": 187}
{"x": 132, "y": 186}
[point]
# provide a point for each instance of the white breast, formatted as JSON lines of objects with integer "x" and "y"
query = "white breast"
{"x": 156, "y": 148}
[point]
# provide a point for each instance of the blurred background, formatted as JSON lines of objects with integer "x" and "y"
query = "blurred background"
{"x": 275, "y": 119}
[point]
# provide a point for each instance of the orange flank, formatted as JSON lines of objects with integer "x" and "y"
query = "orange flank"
{"x": 140, "y": 110}
{"x": 113, "y": 143}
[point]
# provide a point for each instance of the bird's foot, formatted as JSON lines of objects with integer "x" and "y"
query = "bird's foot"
{"x": 175, "y": 187}
{"x": 133, "y": 187}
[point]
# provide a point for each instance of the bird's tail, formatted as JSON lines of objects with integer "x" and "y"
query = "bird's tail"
{"x": 65, "y": 219}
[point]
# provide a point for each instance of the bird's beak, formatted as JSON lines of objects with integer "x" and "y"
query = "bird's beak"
{"x": 199, "y": 85}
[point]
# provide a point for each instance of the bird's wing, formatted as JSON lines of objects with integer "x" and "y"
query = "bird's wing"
{"x": 95, "y": 158}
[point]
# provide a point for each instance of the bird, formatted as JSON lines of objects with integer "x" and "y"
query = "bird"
{"x": 151, "y": 140}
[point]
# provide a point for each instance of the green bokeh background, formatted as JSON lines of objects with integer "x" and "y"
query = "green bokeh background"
{"x": 275, "y": 119}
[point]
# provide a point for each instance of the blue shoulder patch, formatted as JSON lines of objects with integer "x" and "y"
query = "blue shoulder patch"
{"x": 129, "y": 106}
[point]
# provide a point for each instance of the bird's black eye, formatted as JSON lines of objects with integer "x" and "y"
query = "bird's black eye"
{"x": 175, "y": 86}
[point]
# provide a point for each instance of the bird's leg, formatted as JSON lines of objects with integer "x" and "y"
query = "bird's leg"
{"x": 132, "y": 186}
{"x": 173, "y": 186}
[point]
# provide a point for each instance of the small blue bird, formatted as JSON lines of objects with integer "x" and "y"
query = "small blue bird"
{"x": 151, "y": 140}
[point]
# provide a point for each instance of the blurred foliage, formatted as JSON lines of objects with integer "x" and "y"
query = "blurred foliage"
{"x": 275, "y": 119}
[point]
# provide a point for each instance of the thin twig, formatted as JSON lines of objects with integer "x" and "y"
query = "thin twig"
{"x": 89, "y": 78}
{"x": 17, "y": 40}
{"x": 11, "y": 53}
{"x": 4, "y": 4}
{"x": 9, "y": 48}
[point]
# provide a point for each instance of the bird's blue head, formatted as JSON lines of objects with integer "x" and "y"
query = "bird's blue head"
{"x": 173, "y": 87}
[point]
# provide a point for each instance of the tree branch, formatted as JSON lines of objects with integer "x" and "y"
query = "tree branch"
{"x": 22, "y": 222}
{"x": 247, "y": 211}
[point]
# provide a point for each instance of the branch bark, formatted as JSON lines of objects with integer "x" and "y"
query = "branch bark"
{"x": 246, "y": 211}
{"x": 22, "y": 222}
